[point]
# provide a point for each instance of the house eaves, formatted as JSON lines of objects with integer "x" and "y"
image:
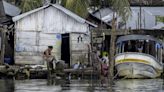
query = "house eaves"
{"x": 99, "y": 19}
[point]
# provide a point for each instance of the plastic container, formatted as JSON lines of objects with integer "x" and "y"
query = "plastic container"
{"x": 8, "y": 60}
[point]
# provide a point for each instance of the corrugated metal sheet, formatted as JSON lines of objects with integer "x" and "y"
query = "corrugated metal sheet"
{"x": 156, "y": 11}
{"x": 102, "y": 12}
{"x": 148, "y": 16}
{"x": 10, "y": 9}
{"x": 159, "y": 26}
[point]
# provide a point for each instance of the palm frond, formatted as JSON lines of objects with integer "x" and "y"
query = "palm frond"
{"x": 27, "y": 5}
{"x": 122, "y": 8}
{"x": 77, "y": 6}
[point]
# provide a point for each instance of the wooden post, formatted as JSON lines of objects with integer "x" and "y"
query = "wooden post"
{"x": 112, "y": 50}
{"x": 91, "y": 48}
{"x": 3, "y": 44}
{"x": 140, "y": 16}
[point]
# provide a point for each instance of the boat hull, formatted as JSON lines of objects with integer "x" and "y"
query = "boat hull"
{"x": 137, "y": 65}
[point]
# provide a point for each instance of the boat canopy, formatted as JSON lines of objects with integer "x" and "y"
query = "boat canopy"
{"x": 138, "y": 37}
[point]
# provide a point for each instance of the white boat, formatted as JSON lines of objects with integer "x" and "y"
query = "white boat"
{"x": 139, "y": 56}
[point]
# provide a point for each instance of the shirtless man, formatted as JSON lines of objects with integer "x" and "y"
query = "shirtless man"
{"x": 47, "y": 56}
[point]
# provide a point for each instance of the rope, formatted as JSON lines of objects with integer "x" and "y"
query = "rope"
{"x": 124, "y": 77}
{"x": 116, "y": 74}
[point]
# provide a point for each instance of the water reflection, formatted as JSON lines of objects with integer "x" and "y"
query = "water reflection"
{"x": 138, "y": 85}
{"x": 7, "y": 85}
{"x": 128, "y": 85}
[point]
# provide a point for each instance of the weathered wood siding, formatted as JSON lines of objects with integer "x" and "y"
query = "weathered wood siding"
{"x": 79, "y": 49}
{"x": 31, "y": 45}
{"x": 43, "y": 28}
{"x": 51, "y": 20}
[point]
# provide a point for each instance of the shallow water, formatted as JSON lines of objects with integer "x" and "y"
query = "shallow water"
{"x": 127, "y": 85}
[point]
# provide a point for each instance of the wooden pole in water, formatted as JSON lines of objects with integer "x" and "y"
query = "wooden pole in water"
{"x": 140, "y": 16}
{"x": 112, "y": 50}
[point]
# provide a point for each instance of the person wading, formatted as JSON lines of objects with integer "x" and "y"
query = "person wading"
{"x": 104, "y": 72}
{"x": 48, "y": 58}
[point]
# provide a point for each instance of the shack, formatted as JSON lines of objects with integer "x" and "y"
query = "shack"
{"x": 51, "y": 25}
{"x": 7, "y": 11}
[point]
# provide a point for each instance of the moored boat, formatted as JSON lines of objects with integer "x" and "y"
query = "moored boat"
{"x": 139, "y": 56}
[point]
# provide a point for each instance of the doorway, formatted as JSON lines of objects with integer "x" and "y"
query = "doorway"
{"x": 106, "y": 46}
{"x": 65, "y": 48}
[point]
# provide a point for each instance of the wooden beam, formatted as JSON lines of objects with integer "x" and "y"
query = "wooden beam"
{"x": 148, "y": 32}
{"x": 125, "y": 32}
{"x": 108, "y": 32}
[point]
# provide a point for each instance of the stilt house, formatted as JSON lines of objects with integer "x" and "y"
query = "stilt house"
{"x": 51, "y": 25}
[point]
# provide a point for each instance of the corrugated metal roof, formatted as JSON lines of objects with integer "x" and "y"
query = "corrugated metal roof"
{"x": 105, "y": 14}
{"x": 66, "y": 11}
{"x": 16, "y": 18}
{"x": 155, "y": 11}
{"x": 138, "y": 37}
{"x": 159, "y": 26}
{"x": 148, "y": 17}
{"x": 10, "y": 9}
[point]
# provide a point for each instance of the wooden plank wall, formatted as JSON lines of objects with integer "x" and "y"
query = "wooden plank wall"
{"x": 79, "y": 49}
{"x": 31, "y": 45}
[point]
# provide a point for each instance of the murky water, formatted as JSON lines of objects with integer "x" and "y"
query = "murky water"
{"x": 127, "y": 85}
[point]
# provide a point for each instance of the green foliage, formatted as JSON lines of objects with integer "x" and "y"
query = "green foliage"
{"x": 160, "y": 19}
{"x": 95, "y": 3}
{"x": 80, "y": 7}
{"x": 77, "y": 6}
{"x": 27, "y": 5}
{"x": 122, "y": 8}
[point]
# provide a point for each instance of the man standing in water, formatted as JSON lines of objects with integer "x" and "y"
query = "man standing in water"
{"x": 47, "y": 56}
{"x": 50, "y": 61}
